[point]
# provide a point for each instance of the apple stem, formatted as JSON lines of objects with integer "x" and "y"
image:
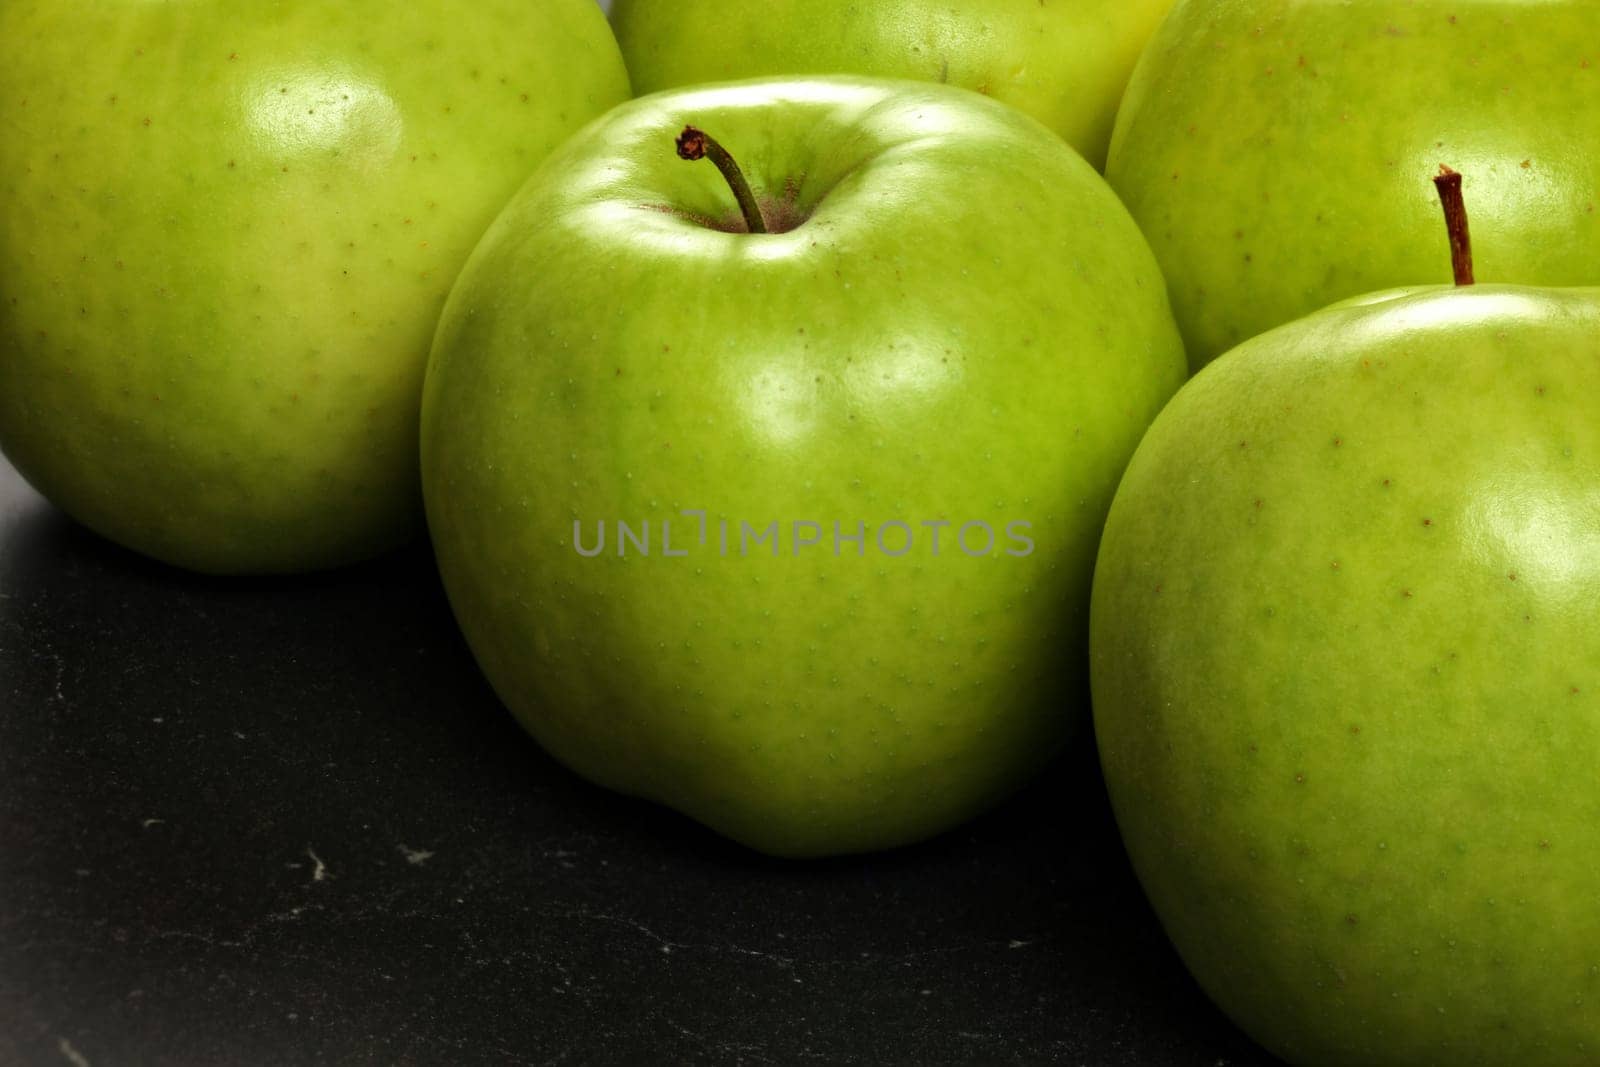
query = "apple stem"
{"x": 694, "y": 143}
{"x": 1455, "y": 221}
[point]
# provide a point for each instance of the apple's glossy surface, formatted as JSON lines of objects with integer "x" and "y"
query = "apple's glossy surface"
{"x": 1270, "y": 150}
{"x": 1346, "y": 677}
{"x": 963, "y": 327}
{"x": 1066, "y": 64}
{"x": 228, "y": 230}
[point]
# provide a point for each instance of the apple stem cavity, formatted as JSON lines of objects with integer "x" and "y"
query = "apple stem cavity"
{"x": 694, "y": 143}
{"x": 1448, "y": 183}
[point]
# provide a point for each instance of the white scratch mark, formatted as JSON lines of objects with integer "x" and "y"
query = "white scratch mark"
{"x": 1019, "y": 944}
{"x": 147, "y": 823}
{"x": 416, "y": 856}
{"x": 320, "y": 870}
{"x": 72, "y": 1055}
{"x": 667, "y": 947}
{"x": 61, "y": 673}
{"x": 732, "y": 1051}
{"x": 204, "y": 939}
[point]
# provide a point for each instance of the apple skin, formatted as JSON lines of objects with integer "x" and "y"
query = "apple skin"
{"x": 1064, "y": 64}
{"x": 1269, "y": 149}
{"x": 966, "y": 326}
{"x": 228, "y": 232}
{"x": 1346, "y": 678}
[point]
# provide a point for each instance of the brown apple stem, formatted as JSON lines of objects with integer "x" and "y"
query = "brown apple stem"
{"x": 695, "y": 144}
{"x": 1455, "y": 221}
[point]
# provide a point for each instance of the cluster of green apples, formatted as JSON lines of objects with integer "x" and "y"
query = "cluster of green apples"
{"x": 245, "y": 330}
{"x": 812, "y": 488}
{"x": 1345, "y": 642}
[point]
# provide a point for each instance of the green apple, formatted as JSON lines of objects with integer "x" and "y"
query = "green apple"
{"x": 1268, "y": 149}
{"x": 1346, "y": 678}
{"x": 1064, "y": 63}
{"x": 849, "y": 473}
{"x": 227, "y": 233}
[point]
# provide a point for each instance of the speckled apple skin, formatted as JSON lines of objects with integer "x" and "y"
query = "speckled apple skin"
{"x": 1066, "y": 64}
{"x": 1277, "y": 152}
{"x": 967, "y": 327}
{"x": 1346, "y": 674}
{"x": 228, "y": 232}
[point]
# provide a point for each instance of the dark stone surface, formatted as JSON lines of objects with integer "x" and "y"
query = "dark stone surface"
{"x": 285, "y": 822}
